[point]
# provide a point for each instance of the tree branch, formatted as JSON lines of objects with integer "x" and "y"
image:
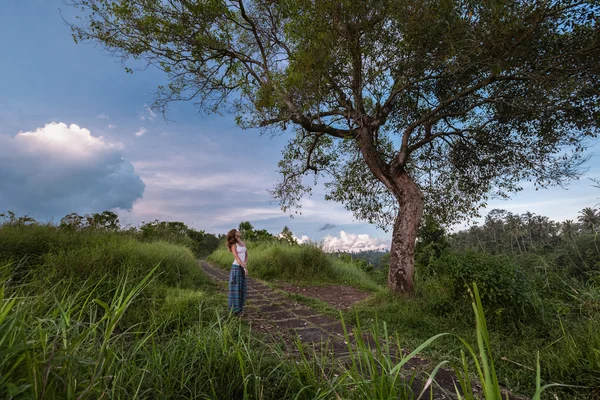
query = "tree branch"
{"x": 256, "y": 37}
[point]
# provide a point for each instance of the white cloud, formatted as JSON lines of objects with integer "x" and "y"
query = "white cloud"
{"x": 60, "y": 140}
{"x": 103, "y": 116}
{"x": 303, "y": 239}
{"x": 148, "y": 114}
{"x": 62, "y": 168}
{"x": 111, "y": 126}
{"x": 351, "y": 242}
{"x": 141, "y": 132}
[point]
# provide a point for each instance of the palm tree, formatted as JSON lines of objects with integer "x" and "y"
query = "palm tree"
{"x": 589, "y": 218}
{"x": 568, "y": 230}
{"x": 515, "y": 228}
{"x": 528, "y": 221}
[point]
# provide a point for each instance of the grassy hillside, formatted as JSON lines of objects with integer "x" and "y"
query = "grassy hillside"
{"x": 95, "y": 314}
{"x": 532, "y": 303}
{"x": 546, "y": 299}
{"x": 306, "y": 263}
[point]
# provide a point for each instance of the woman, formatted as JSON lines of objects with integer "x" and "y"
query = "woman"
{"x": 237, "y": 276}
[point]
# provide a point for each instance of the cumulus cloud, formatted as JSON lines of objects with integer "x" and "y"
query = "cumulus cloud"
{"x": 350, "y": 242}
{"x": 59, "y": 169}
{"x": 141, "y": 132}
{"x": 303, "y": 239}
{"x": 326, "y": 227}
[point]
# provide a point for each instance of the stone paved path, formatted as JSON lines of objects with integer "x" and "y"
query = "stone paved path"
{"x": 286, "y": 321}
{"x": 283, "y": 319}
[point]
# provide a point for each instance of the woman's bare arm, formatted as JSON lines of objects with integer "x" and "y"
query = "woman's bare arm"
{"x": 246, "y": 263}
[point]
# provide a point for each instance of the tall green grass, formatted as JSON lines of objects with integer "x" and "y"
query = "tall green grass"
{"x": 97, "y": 314}
{"x": 61, "y": 352}
{"x": 569, "y": 354}
{"x": 43, "y": 257}
{"x": 305, "y": 263}
{"x": 93, "y": 315}
{"x": 535, "y": 306}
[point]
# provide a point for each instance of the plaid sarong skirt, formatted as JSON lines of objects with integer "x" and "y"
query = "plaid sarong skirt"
{"x": 238, "y": 290}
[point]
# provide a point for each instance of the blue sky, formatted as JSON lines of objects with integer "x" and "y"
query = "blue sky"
{"x": 76, "y": 136}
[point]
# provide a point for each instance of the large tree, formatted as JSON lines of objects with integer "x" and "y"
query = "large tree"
{"x": 404, "y": 105}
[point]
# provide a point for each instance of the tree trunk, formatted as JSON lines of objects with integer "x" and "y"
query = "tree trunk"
{"x": 404, "y": 236}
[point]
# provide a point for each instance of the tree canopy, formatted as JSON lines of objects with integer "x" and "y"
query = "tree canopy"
{"x": 402, "y": 104}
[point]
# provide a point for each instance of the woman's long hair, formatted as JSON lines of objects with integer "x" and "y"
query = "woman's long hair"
{"x": 231, "y": 239}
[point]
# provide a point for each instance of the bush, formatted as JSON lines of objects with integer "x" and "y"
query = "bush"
{"x": 43, "y": 257}
{"x": 200, "y": 242}
{"x": 581, "y": 257}
{"x": 440, "y": 295}
{"x": 503, "y": 286}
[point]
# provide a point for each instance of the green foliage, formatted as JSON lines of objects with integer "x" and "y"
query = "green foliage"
{"x": 98, "y": 313}
{"x": 200, "y": 242}
{"x": 504, "y": 232}
{"x": 511, "y": 91}
{"x": 286, "y": 236}
{"x": 44, "y": 256}
{"x": 54, "y": 352}
{"x": 248, "y": 232}
{"x": 77, "y": 306}
{"x": 376, "y": 258}
{"x": 503, "y": 286}
{"x": 431, "y": 241}
{"x": 18, "y": 246}
{"x": 589, "y": 219}
{"x": 307, "y": 263}
{"x": 360, "y": 260}
{"x": 246, "y": 229}
{"x": 270, "y": 261}
{"x": 108, "y": 323}
{"x": 581, "y": 257}
{"x": 542, "y": 294}
{"x": 105, "y": 220}
{"x": 11, "y": 218}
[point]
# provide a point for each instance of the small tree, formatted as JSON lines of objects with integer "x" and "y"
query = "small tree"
{"x": 72, "y": 221}
{"x": 286, "y": 236}
{"x": 246, "y": 230}
{"x": 262, "y": 235}
{"x": 107, "y": 220}
{"x": 568, "y": 230}
{"x": 404, "y": 104}
{"x": 164, "y": 229}
{"x": 11, "y": 218}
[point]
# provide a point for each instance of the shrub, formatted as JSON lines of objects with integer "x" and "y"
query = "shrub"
{"x": 503, "y": 286}
{"x": 45, "y": 257}
{"x": 581, "y": 257}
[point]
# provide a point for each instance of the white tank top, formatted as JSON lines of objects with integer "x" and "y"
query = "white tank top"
{"x": 241, "y": 250}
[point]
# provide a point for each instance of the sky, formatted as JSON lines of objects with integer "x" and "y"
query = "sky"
{"x": 77, "y": 135}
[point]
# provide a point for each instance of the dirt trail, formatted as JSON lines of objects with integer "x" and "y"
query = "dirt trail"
{"x": 284, "y": 321}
